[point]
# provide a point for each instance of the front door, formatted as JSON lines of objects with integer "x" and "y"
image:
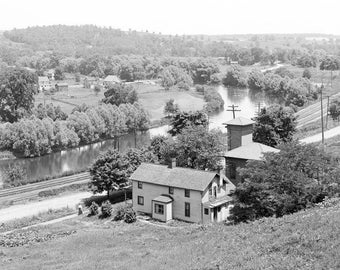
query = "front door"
{"x": 215, "y": 213}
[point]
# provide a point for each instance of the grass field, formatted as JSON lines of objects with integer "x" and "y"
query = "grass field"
{"x": 306, "y": 240}
{"x": 152, "y": 97}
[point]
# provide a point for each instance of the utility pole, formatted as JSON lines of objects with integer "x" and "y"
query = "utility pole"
{"x": 233, "y": 110}
{"x": 322, "y": 130}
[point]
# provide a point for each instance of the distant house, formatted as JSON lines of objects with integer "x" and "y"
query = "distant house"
{"x": 90, "y": 82}
{"x": 61, "y": 86}
{"x": 44, "y": 83}
{"x": 170, "y": 192}
{"x": 110, "y": 80}
{"x": 241, "y": 147}
{"x": 50, "y": 74}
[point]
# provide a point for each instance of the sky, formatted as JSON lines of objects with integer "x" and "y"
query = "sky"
{"x": 179, "y": 16}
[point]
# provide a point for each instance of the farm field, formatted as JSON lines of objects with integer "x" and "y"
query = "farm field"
{"x": 152, "y": 97}
{"x": 306, "y": 240}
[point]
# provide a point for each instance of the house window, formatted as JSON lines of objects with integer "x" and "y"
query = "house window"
{"x": 187, "y": 193}
{"x": 171, "y": 190}
{"x": 140, "y": 185}
{"x": 159, "y": 209}
{"x": 215, "y": 191}
{"x": 210, "y": 191}
{"x": 140, "y": 200}
{"x": 187, "y": 209}
{"x": 206, "y": 211}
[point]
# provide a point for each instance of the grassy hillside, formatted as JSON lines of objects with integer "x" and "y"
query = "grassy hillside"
{"x": 305, "y": 240}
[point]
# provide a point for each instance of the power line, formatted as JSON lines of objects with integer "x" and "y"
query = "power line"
{"x": 233, "y": 110}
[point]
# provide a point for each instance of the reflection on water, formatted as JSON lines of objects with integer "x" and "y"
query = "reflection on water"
{"x": 82, "y": 157}
{"x": 246, "y": 100}
{"x": 74, "y": 159}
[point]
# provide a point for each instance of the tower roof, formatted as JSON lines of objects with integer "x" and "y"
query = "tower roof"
{"x": 253, "y": 151}
{"x": 239, "y": 121}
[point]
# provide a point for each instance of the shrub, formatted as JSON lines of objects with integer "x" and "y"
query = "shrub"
{"x": 15, "y": 176}
{"x": 199, "y": 88}
{"x": 106, "y": 209}
{"x": 126, "y": 213}
{"x": 94, "y": 209}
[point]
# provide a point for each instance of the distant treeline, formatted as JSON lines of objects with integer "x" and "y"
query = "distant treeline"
{"x": 49, "y": 129}
{"x": 83, "y": 41}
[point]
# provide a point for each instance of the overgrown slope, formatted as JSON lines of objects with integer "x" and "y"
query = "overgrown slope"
{"x": 305, "y": 240}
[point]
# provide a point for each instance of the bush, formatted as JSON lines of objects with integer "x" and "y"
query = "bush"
{"x": 106, "y": 209}
{"x": 94, "y": 209}
{"x": 125, "y": 213}
{"x": 15, "y": 176}
{"x": 199, "y": 88}
{"x": 214, "y": 100}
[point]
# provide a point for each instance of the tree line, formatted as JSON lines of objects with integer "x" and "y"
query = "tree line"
{"x": 280, "y": 85}
{"x": 30, "y": 137}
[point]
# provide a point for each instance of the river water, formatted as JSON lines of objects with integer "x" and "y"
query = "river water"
{"x": 79, "y": 158}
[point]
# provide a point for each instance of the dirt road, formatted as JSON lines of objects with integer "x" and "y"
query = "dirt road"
{"x": 34, "y": 208}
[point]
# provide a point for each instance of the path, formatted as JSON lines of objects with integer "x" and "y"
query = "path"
{"x": 318, "y": 137}
{"x": 30, "y": 209}
{"x": 53, "y": 221}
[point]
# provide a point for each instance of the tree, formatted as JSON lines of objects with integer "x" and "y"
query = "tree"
{"x": 285, "y": 182}
{"x": 58, "y": 74}
{"x": 182, "y": 120}
{"x": 274, "y": 125}
{"x": 109, "y": 171}
{"x": 15, "y": 176}
{"x": 170, "y": 107}
{"x": 17, "y": 90}
{"x": 306, "y": 74}
{"x": 330, "y": 63}
{"x": 136, "y": 156}
{"x": 97, "y": 89}
{"x": 199, "y": 148}
{"x": 256, "y": 80}
{"x": 235, "y": 77}
{"x": 119, "y": 94}
{"x": 175, "y": 76}
{"x": 334, "y": 109}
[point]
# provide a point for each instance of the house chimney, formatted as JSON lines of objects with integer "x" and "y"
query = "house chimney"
{"x": 172, "y": 163}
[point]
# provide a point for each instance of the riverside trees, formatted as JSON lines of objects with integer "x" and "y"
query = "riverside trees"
{"x": 35, "y": 137}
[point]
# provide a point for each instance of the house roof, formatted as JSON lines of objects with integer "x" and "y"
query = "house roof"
{"x": 251, "y": 150}
{"x": 163, "y": 199}
{"x": 175, "y": 177}
{"x": 240, "y": 121}
{"x": 218, "y": 201}
{"x": 112, "y": 78}
{"x": 62, "y": 84}
{"x": 43, "y": 79}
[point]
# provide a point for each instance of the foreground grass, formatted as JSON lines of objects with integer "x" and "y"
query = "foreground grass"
{"x": 305, "y": 240}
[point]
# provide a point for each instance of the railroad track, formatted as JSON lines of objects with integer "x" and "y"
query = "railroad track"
{"x": 32, "y": 190}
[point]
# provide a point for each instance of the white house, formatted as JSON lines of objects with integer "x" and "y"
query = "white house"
{"x": 44, "y": 83}
{"x": 110, "y": 80}
{"x": 170, "y": 192}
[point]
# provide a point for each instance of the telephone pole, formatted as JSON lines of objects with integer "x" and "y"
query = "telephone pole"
{"x": 233, "y": 110}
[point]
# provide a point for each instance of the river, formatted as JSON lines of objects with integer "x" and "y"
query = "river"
{"x": 79, "y": 158}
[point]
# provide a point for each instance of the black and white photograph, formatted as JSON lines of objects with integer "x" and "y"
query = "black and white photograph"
{"x": 170, "y": 134}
